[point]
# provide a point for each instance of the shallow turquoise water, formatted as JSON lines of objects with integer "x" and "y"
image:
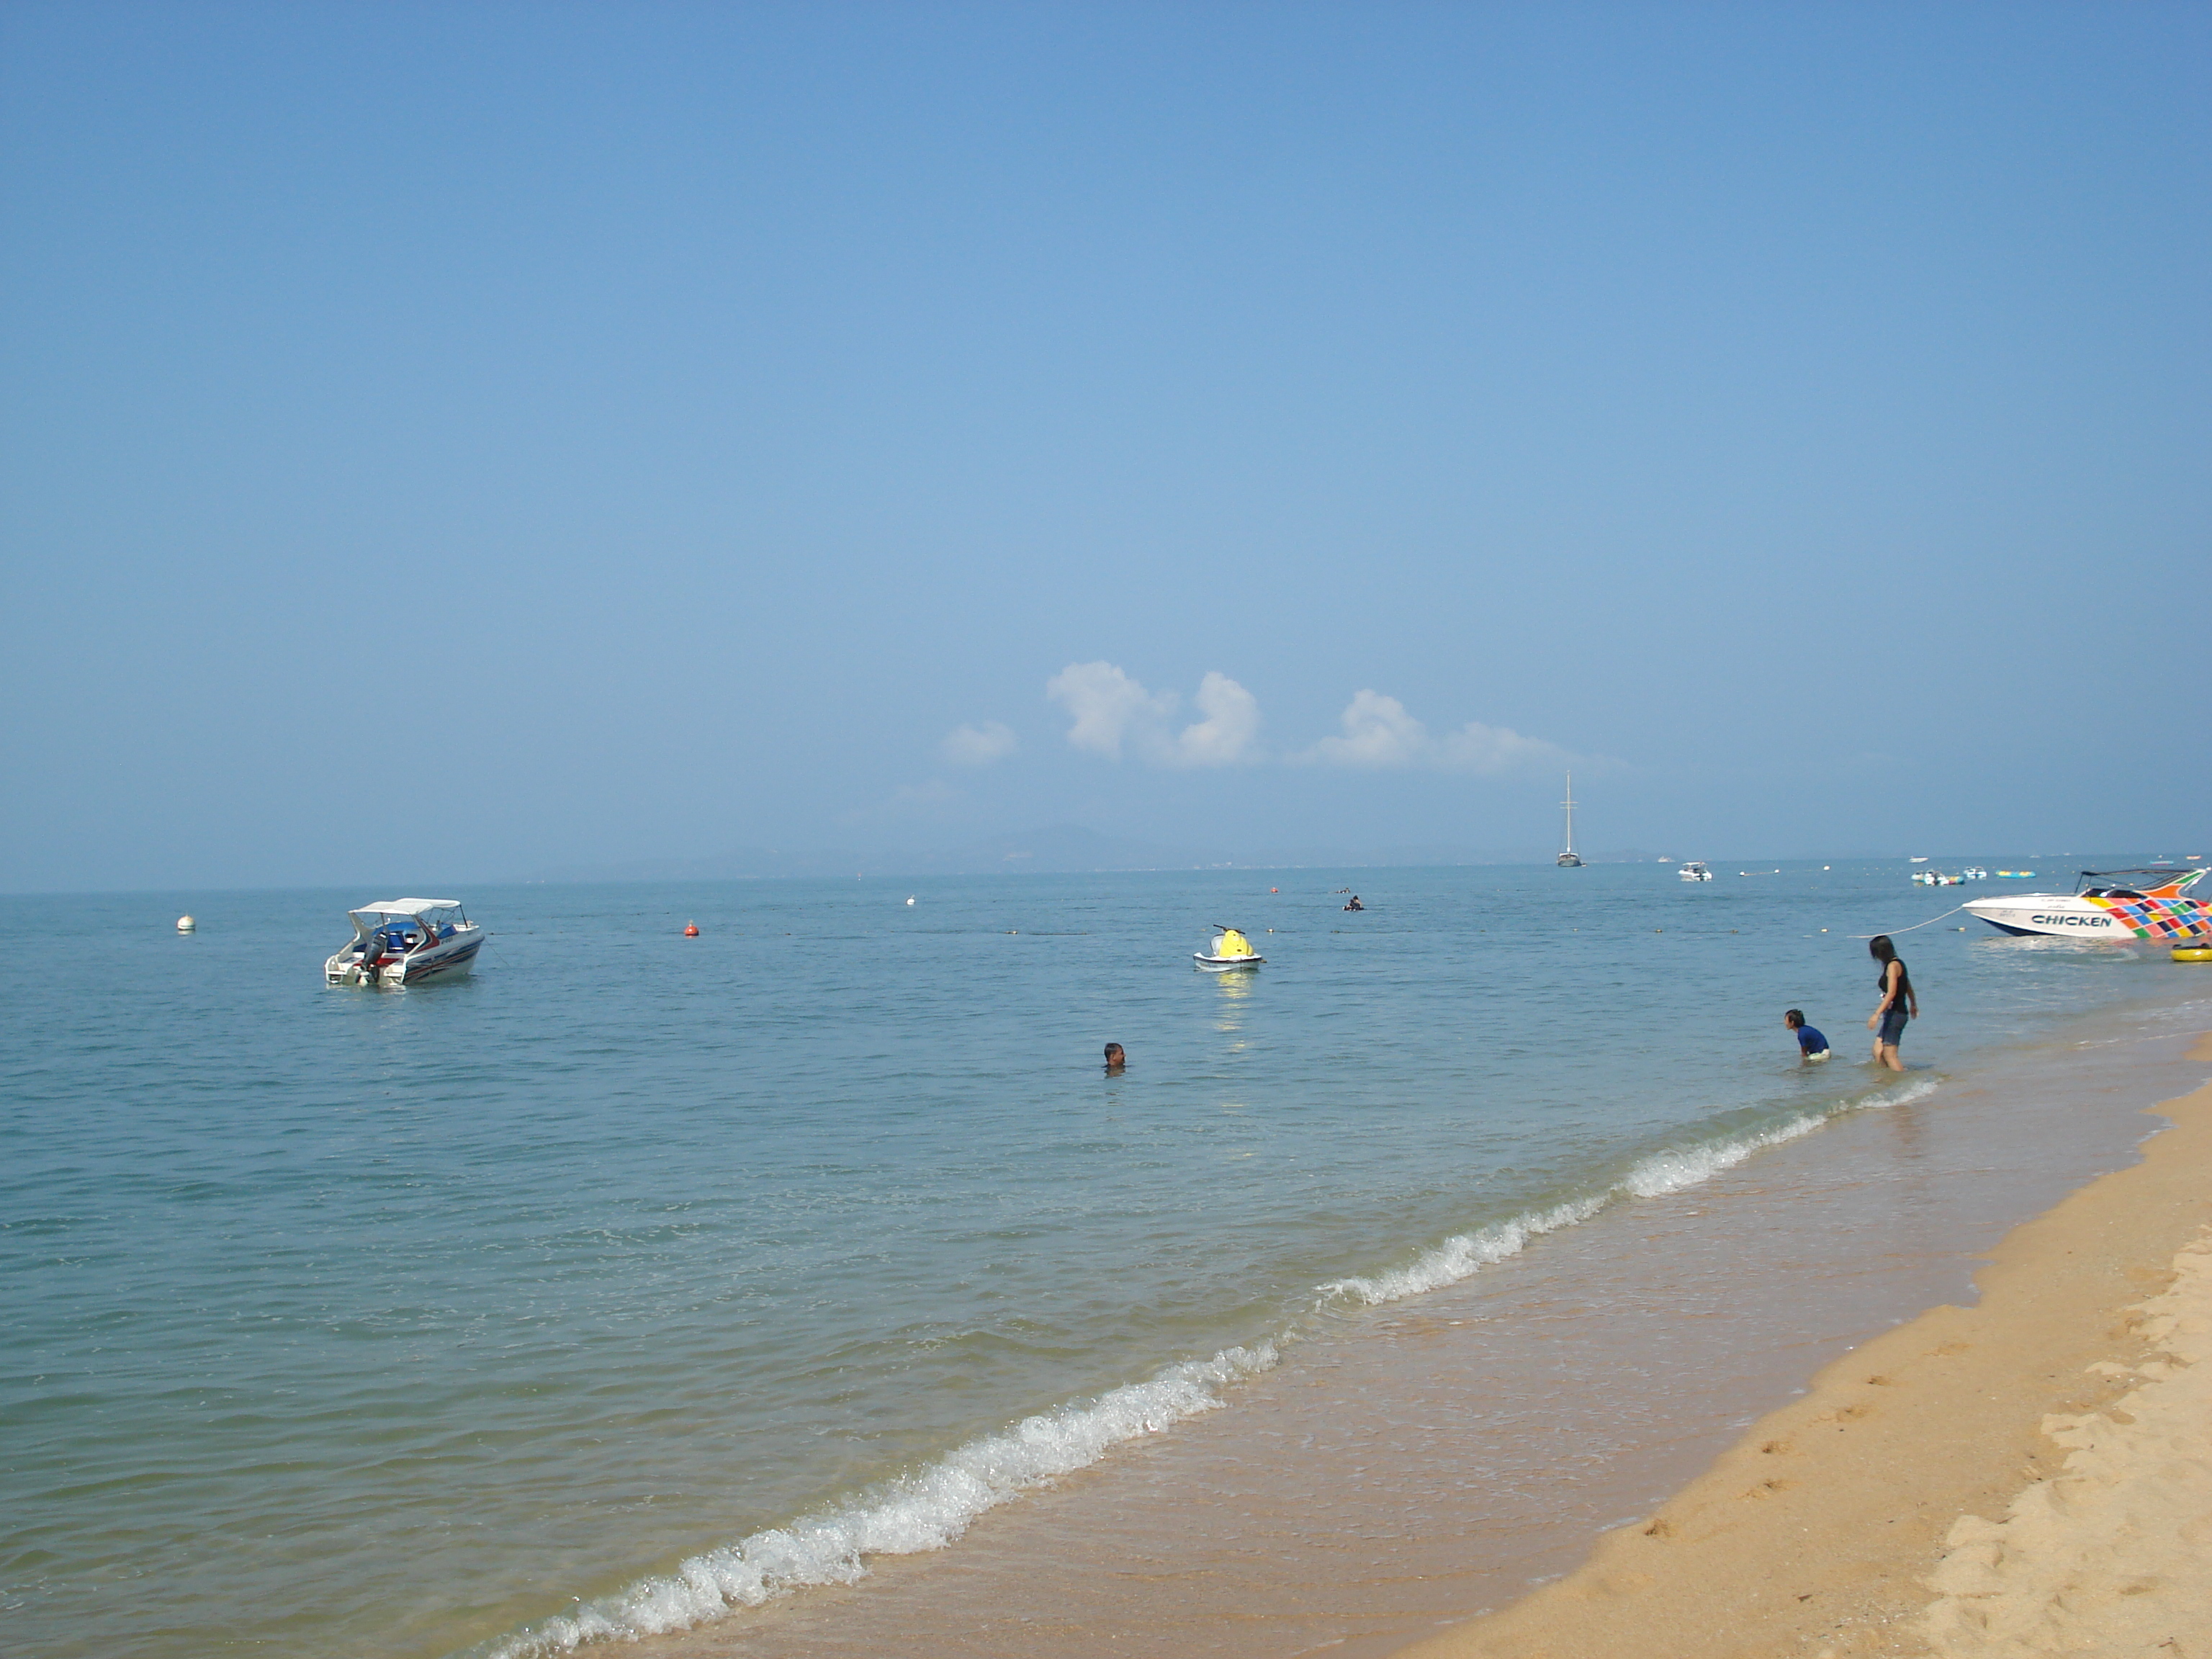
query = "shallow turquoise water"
{"x": 363, "y": 1322}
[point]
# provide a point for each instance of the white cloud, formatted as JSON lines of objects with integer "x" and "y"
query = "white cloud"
{"x": 1224, "y": 736}
{"x": 1478, "y": 748}
{"x": 1104, "y": 703}
{"x": 1379, "y": 733}
{"x": 979, "y": 745}
{"x": 1111, "y": 711}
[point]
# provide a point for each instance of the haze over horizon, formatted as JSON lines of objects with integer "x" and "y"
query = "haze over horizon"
{"x": 483, "y": 441}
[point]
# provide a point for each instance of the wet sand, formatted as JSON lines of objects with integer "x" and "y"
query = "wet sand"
{"x": 2029, "y": 1475}
{"x": 1410, "y": 1465}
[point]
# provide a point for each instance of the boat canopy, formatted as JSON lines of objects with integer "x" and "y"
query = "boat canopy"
{"x": 434, "y": 915}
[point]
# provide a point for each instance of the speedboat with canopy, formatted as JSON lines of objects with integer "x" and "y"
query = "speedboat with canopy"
{"x": 1231, "y": 950}
{"x": 406, "y": 941}
{"x": 2122, "y": 905}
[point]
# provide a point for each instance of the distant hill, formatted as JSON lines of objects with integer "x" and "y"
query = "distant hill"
{"x": 1062, "y": 847}
{"x": 746, "y": 864}
{"x": 1059, "y": 848}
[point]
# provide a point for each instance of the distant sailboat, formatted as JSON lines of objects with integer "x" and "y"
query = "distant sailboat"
{"x": 1569, "y": 859}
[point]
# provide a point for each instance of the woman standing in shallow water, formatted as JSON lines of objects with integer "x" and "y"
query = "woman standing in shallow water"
{"x": 1900, "y": 1003}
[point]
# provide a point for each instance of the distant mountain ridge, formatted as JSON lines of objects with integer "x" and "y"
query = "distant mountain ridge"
{"x": 1058, "y": 848}
{"x": 1062, "y": 847}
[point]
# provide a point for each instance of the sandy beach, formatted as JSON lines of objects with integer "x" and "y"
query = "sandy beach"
{"x": 2029, "y": 1475}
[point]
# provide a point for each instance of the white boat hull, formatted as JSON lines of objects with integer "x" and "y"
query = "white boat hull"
{"x": 2070, "y": 916}
{"x": 448, "y": 958}
{"x": 1222, "y": 965}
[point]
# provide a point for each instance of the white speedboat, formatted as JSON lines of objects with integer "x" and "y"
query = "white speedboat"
{"x": 1231, "y": 950}
{"x": 2120, "y": 904}
{"x": 404, "y": 942}
{"x": 1694, "y": 871}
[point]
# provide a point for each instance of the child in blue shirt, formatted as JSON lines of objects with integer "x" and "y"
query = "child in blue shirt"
{"x": 1811, "y": 1045}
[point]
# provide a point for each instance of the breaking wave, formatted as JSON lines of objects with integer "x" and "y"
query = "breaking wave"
{"x": 1671, "y": 1171}
{"x": 1464, "y": 1254}
{"x": 933, "y": 1507}
{"x": 925, "y": 1510}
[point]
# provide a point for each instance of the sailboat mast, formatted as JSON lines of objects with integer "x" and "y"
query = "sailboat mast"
{"x": 1569, "y": 804}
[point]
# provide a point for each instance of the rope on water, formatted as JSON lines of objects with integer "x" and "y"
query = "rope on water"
{"x": 1917, "y": 925}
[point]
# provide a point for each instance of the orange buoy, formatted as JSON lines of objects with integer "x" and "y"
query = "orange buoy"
{"x": 691, "y": 930}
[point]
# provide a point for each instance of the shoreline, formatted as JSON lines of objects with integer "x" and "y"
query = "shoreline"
{"x": 1412, "y": 1465}
{"x": 1892, "y": 1507}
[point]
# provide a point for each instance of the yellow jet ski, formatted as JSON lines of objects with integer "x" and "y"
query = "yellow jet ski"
{"x": 1231, "y": 950}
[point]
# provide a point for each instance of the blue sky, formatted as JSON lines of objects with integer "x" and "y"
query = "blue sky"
{"x": 469, "y": 439}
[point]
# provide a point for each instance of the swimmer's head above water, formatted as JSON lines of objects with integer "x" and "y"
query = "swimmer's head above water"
{"x": 1115, "y": 1059}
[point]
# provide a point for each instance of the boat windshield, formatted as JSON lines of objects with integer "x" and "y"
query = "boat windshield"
{"x": 2162, "y": 881}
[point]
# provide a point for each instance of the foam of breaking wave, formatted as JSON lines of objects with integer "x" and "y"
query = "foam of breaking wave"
{"x": 1466, "y": 1253}
{"x": 1672, "y": 1170}
{"x": 925, "y": 1510}
{"x": 1461, "y": 1255}
{"x": 1686, "y": 1166}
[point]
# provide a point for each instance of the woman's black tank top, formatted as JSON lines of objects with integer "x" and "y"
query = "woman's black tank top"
{"x": 1904, "y": 981}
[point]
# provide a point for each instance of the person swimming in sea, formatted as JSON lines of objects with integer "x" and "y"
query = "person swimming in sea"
{"x": 1116, "y": 1060}
{"x": 1811, "y": 1045}
{"x": 1355, "y": 904}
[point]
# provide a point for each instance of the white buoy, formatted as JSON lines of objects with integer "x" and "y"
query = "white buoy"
{"x": 186, "y": 924}
{"x": 909, "y": 898}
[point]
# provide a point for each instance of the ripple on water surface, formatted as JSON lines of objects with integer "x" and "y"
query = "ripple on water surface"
{"x": 373, "y": 1324}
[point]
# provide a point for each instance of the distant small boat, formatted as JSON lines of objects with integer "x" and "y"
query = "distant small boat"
{"x": 1974, "y": 872}
{"x": 1920, "y": 861}
{"x": 1231, "y": 950}
{"x": 1694, "y": 870}
{"x": 1569, "y": 859}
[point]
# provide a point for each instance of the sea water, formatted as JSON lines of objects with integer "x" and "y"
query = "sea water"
{"x": 640, "y": 1284}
